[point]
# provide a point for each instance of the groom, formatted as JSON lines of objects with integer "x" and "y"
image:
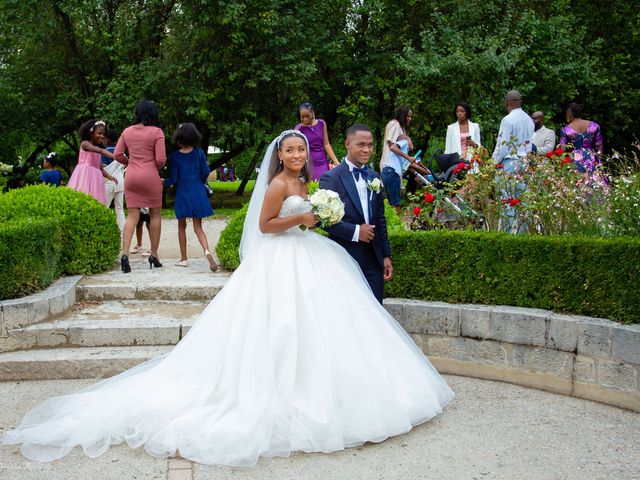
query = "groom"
{"x": 363, "y": 229}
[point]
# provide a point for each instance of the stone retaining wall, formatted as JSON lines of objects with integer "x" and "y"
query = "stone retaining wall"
{"x": 585, "y": 357}
{"x": 49, "y": 303}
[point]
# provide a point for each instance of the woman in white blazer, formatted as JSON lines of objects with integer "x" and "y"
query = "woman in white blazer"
{"x": 463, "y": 134}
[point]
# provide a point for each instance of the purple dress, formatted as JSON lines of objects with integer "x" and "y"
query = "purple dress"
{"x": 315, "y": 136}
{"x": 586, "y": 146}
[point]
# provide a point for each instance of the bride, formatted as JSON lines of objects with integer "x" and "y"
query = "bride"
{"x": 302, "y": 366}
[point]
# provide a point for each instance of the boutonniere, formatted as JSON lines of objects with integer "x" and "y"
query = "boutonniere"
{"x": 374, "y": 185}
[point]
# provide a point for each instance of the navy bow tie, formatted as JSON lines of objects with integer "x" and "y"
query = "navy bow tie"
{"x": 360, "y": 171}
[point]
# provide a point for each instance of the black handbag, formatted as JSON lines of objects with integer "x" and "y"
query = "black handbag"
{"x": 207, "y": 189}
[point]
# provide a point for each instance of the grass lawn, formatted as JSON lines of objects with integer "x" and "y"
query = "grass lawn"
{"x": 225, "y": 202}
{"x": 218, "y": 186}
{"x": 217, "y": 213}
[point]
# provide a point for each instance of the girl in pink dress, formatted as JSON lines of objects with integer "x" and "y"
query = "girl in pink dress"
{"x": 88, "y": 174}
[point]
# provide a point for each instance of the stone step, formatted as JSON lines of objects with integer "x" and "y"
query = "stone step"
{"x": 113, "y": 323}
{"x": 170, "y": 282}
{"x": 69, "y": 363}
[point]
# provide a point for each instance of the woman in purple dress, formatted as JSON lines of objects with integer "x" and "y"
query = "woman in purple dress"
{"x": 315, "y": 129}
{"x": 585, "y": 138}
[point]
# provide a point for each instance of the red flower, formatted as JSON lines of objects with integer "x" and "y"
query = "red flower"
{"x": 429, "y": 198}
{"x": 499, "y": 166}
{"x": 558, "y": 151}
{"x": 549, "y": 154}
{"x": 514, "y": 202}
{"x": 416, "y": 211}
{"x": 459, "y": 167}
{"x": 566, "y": 160}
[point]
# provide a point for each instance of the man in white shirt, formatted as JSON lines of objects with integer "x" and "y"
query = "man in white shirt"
{"x": 512, "y": 146}
{"x": 516, "y": 132}
{"x": 544, "y": 138}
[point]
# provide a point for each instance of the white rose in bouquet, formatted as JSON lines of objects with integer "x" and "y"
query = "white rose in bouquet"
{"x": 319, "y": 198}
{"x": 326, "y": 204}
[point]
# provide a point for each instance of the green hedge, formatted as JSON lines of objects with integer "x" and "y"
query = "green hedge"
{"x": 229, "y": 243}
{"x": 581, "y": 275}
{"x": 90, "y": 235}
{"x": 29, "y": 255}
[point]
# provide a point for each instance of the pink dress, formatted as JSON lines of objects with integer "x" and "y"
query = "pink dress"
{"x": 87, "y": 176}
{"x": 463, "y": 144}
{"x": 146, "y": 155}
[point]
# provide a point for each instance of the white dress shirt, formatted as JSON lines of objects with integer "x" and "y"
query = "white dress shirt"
{"x": 514, "y": 137}
{"x": 361, "y": 186}
{"x": 544, "y": 139}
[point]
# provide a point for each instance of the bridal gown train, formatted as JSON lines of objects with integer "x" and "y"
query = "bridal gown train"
{"x": 294, "y": 354}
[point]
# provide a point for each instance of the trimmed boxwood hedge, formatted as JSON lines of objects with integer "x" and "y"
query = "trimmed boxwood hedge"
{"x": 229, "y": 243}
{"x": 29, "y": 255}
{"x": 582, "y": 275}
{"x": 90, "y": 235}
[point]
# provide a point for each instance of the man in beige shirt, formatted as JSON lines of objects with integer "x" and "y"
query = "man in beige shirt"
{"x": 543, "y": 138}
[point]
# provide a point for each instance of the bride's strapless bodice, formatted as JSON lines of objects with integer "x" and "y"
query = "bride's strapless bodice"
{"x": 294, "y": 205}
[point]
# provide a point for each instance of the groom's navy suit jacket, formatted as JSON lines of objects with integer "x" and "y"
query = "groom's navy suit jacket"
{"x": 341, "y": 180}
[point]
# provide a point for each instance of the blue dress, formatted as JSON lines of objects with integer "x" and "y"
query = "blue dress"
{"x": 51, "y": 177}
{"x": 189, "y": 171}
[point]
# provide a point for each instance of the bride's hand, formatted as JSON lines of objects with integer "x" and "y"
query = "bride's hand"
{"x": 308, "y": 219}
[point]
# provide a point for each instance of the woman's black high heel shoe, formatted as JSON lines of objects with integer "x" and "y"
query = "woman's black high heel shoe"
{"x": 154, "y": 262}
{"x": 124, "y": 264}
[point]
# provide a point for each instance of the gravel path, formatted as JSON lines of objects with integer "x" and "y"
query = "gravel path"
{"x": 491, "y": 430}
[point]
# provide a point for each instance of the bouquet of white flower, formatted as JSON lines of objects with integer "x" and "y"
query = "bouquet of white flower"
{"x": 326, "y": 204}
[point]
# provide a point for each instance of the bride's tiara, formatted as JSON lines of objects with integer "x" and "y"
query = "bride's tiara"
{"x": 287, "y": 133}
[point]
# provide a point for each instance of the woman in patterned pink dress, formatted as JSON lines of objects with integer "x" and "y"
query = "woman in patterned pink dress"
{"x": 88, "y": 174}
{"x": 144, "y": 143}
{"x": 584, "y": 138}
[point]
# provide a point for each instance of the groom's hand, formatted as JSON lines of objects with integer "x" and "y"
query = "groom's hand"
{"x": 367, "y": 232}
{"x": 388, "y": 269}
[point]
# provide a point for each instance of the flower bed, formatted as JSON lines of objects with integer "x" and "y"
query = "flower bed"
{"x": 547, "y": 196}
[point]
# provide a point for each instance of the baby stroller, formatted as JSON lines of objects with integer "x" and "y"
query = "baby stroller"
{"x": 451, "y": 166}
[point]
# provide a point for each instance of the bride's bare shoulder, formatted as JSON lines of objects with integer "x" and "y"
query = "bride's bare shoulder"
{"x": 277, "y": 189}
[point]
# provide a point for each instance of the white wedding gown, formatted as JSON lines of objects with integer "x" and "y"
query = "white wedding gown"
{"x": 294, "y": 354}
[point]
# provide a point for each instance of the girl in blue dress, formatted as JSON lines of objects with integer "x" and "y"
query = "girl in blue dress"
{"x": 189, "y": 172}
{"x": 50, "y": 175}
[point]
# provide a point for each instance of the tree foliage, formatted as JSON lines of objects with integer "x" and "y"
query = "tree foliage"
{"x": 238, "y": 69}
